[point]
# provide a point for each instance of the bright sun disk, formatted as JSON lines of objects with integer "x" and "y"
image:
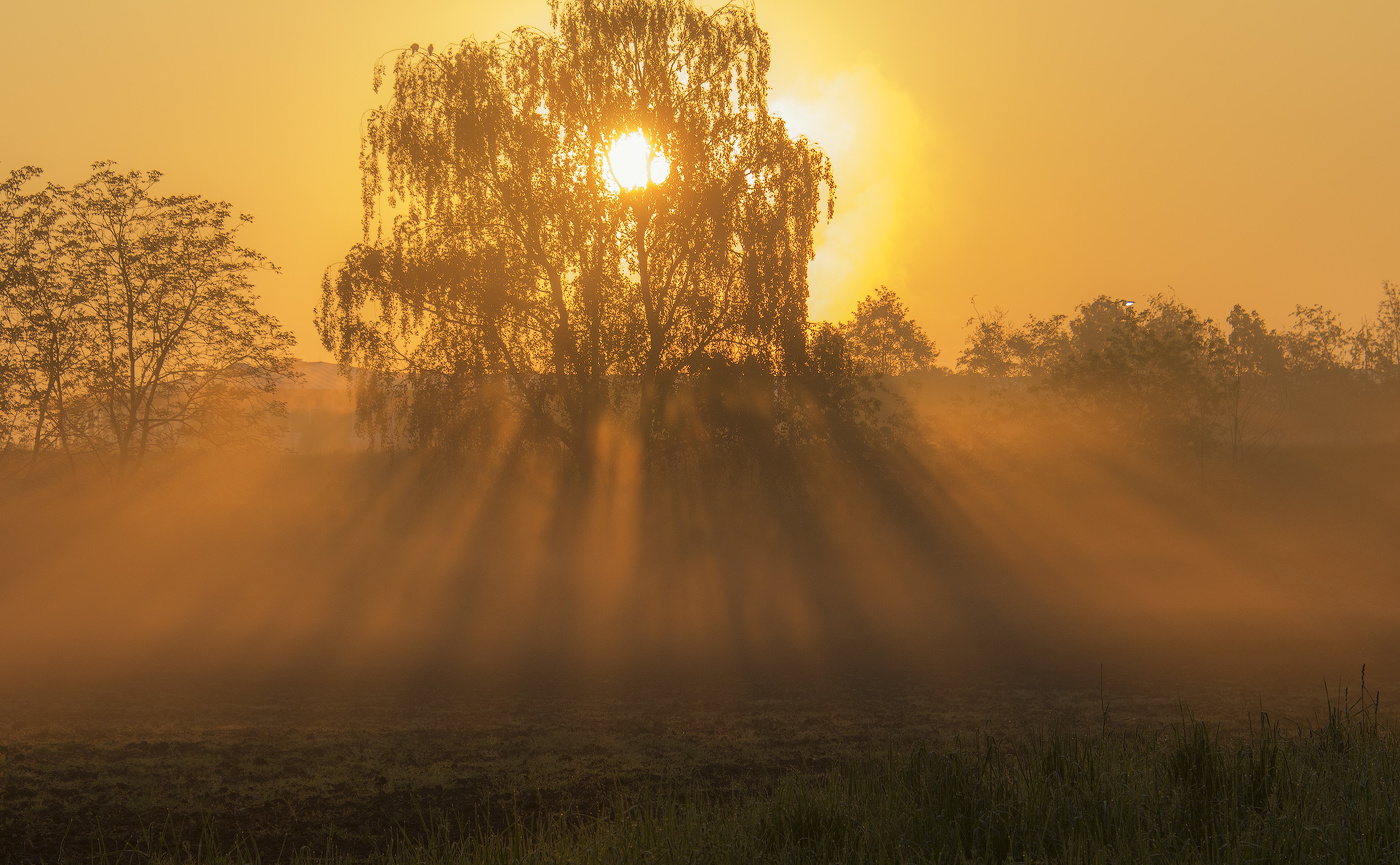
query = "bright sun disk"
{"x": 635, "y": 163}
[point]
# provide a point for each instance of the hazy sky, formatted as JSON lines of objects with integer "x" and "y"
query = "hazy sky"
{"x": 1033, "y": 154}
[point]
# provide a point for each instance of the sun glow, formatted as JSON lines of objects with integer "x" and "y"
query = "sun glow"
{"x": 635, "y": 163}
{"x": 886, "y": 161}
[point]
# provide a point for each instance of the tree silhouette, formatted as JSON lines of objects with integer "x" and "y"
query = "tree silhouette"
{"x": 1317, "y": 342}
{"x": 1168, "y": 374}
{"x": 44, "y": 315}
{"x": 180, "y": 350}
{"x": 503, "y": 262}
{"x": 130, "y": 321}
{"x": 1386, "y": 333}
{"x": 1252, "y": 362}
{"x": 1156, "y": 365}
{"x": 987, "y": 351}
{"x": 882, "y": 338}
{"x": 996, "y": 349}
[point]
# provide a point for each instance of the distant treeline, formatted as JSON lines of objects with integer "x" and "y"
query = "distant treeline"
{"x": 129, "y": 326}
{"x": 1168, "y": 373}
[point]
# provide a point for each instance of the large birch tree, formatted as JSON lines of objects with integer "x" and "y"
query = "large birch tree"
{"x": 502, "y": 255}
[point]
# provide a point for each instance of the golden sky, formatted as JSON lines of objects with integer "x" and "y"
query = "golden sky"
{"x": 1032, "y": 154}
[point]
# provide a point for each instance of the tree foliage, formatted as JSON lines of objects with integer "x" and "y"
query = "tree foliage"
{"x": 503, "y": 268}
{"x": 43, "y": 311}
{"x": 129, "y": 320}
{"x": 881, "y": 337}
{"x": 1166, "y": 373}
{"x": 1317, "y": 342}
{"x": 997, "y": 349}
{"x": 1386, "y": 334}
{"x": 1154, "y": 364}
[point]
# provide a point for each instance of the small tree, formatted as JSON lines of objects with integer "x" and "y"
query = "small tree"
{"x": 881, "y": 338}
{"x": 1040, "y": 345}
{"x": 988, "y": 352}
{"x": 1157, "y": 368}
{"x": 181, "y": 350}
{"x": 1033, "y": 350}
{"x": 1386, "y": 332}
{"x": 1252, "y": 363}
{"x": 44, "y": 313}
{"x": 1317, "y": 342}
{"x": 844, "y": 403}
{"x": 130, "y": 319}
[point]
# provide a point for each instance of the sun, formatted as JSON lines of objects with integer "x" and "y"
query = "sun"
{"x": 635, "y": 163}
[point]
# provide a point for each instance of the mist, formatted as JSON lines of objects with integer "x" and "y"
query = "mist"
{"x": 1006, "y": 541}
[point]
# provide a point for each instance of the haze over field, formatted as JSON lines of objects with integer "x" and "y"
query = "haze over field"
{"x": 1043, "y": 552}
{"x": 1032, "y": 155}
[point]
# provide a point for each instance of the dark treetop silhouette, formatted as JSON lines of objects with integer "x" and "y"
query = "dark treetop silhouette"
{"x": 502, "y": 264}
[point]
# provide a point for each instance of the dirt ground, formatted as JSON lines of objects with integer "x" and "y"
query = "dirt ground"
{"x": 129, "y": 775}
